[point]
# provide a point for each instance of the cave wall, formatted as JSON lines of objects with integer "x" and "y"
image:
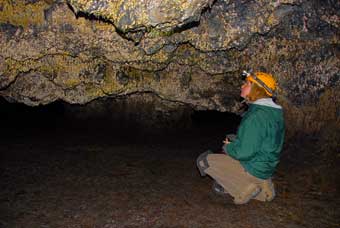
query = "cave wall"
{"x": 183, "y": 52}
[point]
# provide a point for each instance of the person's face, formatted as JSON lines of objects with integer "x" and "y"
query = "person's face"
{"x": 245, "y": 89}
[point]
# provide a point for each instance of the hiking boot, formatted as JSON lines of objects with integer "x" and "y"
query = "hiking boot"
{"x": 218, "y": 189}
{"x": 202, "y": 163}
{"x": 267, "y": 191}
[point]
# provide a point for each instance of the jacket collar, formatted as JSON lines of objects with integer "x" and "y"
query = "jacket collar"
{"x": 267, "y": 102}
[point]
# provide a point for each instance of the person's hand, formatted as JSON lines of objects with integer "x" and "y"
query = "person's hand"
{"x": 226, "y": 141}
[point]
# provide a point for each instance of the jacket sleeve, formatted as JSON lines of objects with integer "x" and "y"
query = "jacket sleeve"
{"x": 248, "y": 140}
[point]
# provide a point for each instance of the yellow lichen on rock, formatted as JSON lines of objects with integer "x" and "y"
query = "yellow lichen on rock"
{"x": 92, "y": 91}
{"x": 14, "y": 67}
{"x": 67, "y": 70}
{"x": 22, "y": 14}
{"x": 109, "y": 83}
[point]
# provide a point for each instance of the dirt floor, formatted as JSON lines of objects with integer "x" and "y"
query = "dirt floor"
{"x": 87, "y": 178}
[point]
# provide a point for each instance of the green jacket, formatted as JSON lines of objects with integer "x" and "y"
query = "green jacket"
{"x": 259, "y": 139}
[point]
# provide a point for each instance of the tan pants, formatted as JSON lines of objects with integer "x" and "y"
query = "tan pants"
{"x": 230, "y": 174}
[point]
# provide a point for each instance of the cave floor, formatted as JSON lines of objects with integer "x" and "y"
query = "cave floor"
{"x": 98, "y": 179}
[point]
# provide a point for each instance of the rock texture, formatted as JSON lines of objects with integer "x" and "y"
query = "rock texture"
{"x": 184, "y": 52}
{"x": 132, "y": 15}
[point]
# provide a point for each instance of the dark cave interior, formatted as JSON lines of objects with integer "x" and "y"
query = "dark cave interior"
{"x": 56, "y": 120}
{"x": 59, "y": 170}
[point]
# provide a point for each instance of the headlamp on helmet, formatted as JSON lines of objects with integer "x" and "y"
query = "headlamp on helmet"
{"x": 264, "y": 80}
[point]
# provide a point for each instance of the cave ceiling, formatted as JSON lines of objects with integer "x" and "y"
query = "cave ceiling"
{"x": 185, "y": 51}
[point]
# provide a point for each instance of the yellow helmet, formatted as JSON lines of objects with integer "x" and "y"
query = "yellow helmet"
{"x": 264, "y": 80}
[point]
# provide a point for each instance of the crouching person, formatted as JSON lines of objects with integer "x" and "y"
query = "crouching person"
{"x": 245, "y": 168}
